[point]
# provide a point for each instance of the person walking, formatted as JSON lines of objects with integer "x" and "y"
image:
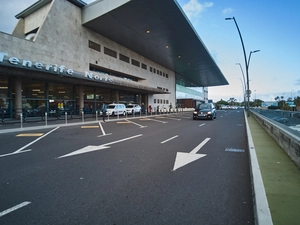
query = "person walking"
{"x": 104, "y": 110}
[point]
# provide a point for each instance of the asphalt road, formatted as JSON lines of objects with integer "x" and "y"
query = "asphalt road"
{"x": 157, "y": 170}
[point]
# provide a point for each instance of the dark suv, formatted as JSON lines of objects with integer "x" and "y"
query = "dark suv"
{"x": 205, "y": 111}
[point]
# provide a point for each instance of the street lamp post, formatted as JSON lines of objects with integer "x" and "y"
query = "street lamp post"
{"x": 243, "y": 75}
{"x": 248, "y": 92}
{"x": 255, "y": 98}
{"x": 244, "y": 83}
{"x": 244, "y": 89}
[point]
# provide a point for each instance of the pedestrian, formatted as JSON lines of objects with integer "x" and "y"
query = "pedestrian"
{"x": 104, "y": 109}
{"x": 143, "y": 108}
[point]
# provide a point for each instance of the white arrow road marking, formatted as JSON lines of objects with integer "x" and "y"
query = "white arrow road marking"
{"x": 201, "y": 124}
{"x": 183, "y": 158}
{"x": 92, "y": 148}
{"x": 21, "y": 150}
{"x": 14, "y": 208}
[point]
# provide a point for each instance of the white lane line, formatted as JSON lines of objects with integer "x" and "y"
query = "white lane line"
{"x": 171, "y": 118}
{"x": 103, "y": 132}
{"x": 169, "y": 139}
{"x": 21, "y": 150}
{"x": 14, "y": 208}
{"x": 195, "y": 150}
{"x": 141, "y": 126}
{"x": 159, "y": 121}
{"x": 201, "y": 124}
{"x": 13, "y": 153}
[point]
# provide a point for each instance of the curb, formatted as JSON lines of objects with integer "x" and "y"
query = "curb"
{"x": 262, "y": 214}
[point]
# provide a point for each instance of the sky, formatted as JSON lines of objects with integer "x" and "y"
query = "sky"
{"x": 265, "y": 25}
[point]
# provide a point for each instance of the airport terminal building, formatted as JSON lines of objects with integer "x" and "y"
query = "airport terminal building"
{"x": 69, "y": 55}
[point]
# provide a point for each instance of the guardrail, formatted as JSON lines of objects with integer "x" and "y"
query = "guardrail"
{"x": 288, "y": 140}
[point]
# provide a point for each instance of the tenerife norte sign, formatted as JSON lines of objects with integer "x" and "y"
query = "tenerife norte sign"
{"x": 50, "y": 68}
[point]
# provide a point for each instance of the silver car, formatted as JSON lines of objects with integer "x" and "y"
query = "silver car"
{"x": 133, "y": 109}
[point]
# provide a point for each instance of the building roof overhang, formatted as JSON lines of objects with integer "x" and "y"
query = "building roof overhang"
{"x": 159, "y": 31}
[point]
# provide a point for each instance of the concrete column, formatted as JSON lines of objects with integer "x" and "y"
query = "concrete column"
{"x": 117, "y": 96}
{"x": 146, "y": 101}
{"x": 18, "y": 97}
{"x": 140, "y": 99}
{"x": 81, "y": 98}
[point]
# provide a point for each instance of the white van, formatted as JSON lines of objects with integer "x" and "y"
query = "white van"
{"x": 116, "y": 109}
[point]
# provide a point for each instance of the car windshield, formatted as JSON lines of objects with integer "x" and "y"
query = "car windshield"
{"x": 205, "y": 106}
{"x": 111, "y": 106}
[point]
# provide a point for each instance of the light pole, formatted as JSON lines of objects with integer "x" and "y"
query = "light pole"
{"x": 243, "y": 75}
{"x": 248, "y": 92}
{"x": 244, "y": 89}
{"x": 255, "y": 98}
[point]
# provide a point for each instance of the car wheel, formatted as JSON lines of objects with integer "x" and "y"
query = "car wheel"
{"x": 113, "y": 114}
{"x": 132, "y": 112}
{"x": 124, "y": 113}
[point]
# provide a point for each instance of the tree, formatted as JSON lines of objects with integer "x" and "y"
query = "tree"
{"x": 222, "y": 102}
{"x": 257, "y": 102}
{"x": 297, "y": 103}
{"x": 231, "y": 101}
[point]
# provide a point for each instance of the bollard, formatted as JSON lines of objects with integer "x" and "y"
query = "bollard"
{"x": 46, "y": 119}
{"x": 21, "y": 118}
{"x": 82, "y": 116}
{"x": 66, "y": 117}
{"x": 96, "y": 115}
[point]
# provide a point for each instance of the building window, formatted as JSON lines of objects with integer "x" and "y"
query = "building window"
{"x": 150, "y": 69}
{"x": 135, "y": 62}
{"x": 124, "y": 58}
{"x": 110, "y": 52}
{"x": 94, "y": 46}
{"x": 154, "y": 100}
{"x": 154, "y": 70}
{"x": 157, "y": 71}
{"x": 144, "y": 66}
{"x": 167, "y": 76}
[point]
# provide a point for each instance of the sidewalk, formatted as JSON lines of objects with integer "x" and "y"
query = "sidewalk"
{"x": 281, "y": 177}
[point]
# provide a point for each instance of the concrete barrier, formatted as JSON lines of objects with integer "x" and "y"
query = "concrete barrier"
{"x": 288, "y": 141}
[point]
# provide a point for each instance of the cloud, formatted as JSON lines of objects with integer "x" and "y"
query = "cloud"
{"x": 227, "y": 11}
{"x": 297, "y": 82}
{"x": 193, "y": 8}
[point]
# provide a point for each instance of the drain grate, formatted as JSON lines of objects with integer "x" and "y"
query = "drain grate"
{"x": 234, "y": 150}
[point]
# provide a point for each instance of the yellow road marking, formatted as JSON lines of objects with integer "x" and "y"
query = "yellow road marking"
{"x": 30, "y": 135}
{"x": 145, "y": 119}
{"x": 123, "y": 122}
{"x": 84, "y": 127}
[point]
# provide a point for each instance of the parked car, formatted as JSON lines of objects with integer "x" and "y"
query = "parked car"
{"x": 133, "y": 109}
{"x": 116, "y": 109}
{"x": 205, "y": 111}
